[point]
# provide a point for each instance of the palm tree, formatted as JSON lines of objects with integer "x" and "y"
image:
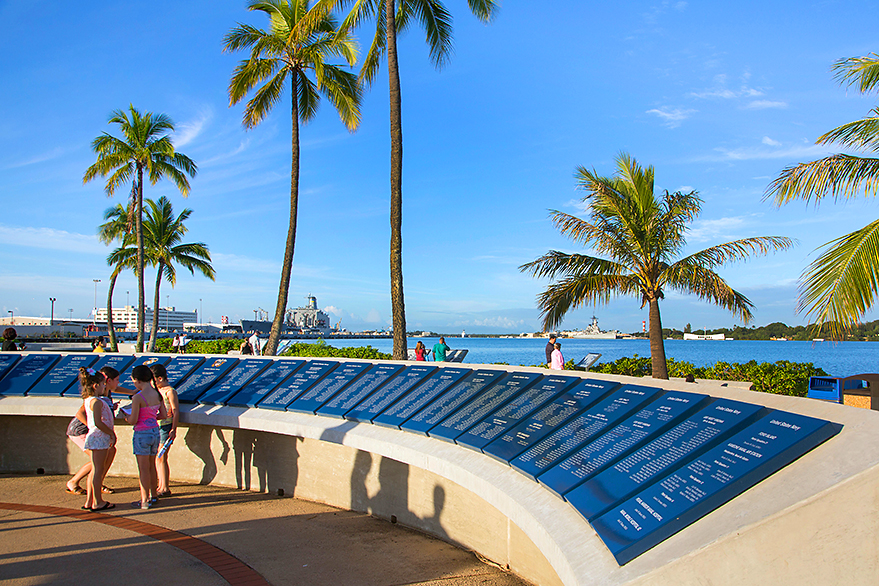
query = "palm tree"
{"x": 298, "y": 43}
{"x": 841, "y": 284}
{"x": 162, "y": 235}
{"x": 642, "y": 234}
{"x": 145, "y": 146}
{"x": 118, "y": 226}
{"x": 391, "y": 17}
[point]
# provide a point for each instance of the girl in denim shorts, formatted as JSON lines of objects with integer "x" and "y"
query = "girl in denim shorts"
{"x": 146, "y": 407}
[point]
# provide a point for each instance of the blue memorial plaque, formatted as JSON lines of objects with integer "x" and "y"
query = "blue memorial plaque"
{"x": 515, "y": 411}
{"x": 326, "y": 389}
{"x": 451, "y": 400}
{"x": 548, "y": 418}
{"x": 670, "y": 450}
{"x": 117, "y": 361}
{"x": 26, "y": 373}
{"x": 725, "y": 471}
{"x": 583, "y": 428}
{"x": 491, "y": 399}
{"x": 301, "y": 380}
{"x": 264, "y": 383}
{"x": 62, "y": 375}
{"x": 234, "y": 381}
{"x": 437, "y": 384}
{"x": 181, "y": 367}
{"x": 373, "y": 405}
{"x": 203, "y": 378}
{"x": 7, "y": 361}
{"x": 142, "y": 361}
{"x": 357, "y": 391}
{"x": 627, "y": 436}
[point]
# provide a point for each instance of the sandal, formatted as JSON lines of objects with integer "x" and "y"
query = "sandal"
{"x": 106, "y": 507}
{"x": 164, "y": 493}
{"x": 77, "y": 490}
{"x": 107, "y": 490}
{"x": 141, "y": 505}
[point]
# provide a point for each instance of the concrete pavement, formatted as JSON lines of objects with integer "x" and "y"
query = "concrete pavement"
{"x": 206, "y": 535}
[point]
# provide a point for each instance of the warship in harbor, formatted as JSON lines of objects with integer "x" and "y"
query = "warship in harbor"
{"x": 592, "y": 332}
{"x": 301, "y": 320}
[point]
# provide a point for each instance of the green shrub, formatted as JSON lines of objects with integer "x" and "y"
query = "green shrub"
{"x": 321, "y": 349}
{"x": 781, "y": 378}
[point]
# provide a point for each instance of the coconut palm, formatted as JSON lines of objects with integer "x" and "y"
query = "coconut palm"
{"x": 118, "y": 226}
{"x": 162, "y": 237}
{"x": 841, "y": 284}
{"x": 145, "y": 146}
{"x": 298, "y": 44}
{"x": 391, "y": 17}
{"x": 641, "y": 233}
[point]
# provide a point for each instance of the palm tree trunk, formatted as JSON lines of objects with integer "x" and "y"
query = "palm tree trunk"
{"x": 111, "y": 331}
{"x": 154, "y": 328}
{"x": 398, "y": 308}
{"x": 657, "y": 346}
{"x": 138, "y": 223}
{"x": 284, "y": 289}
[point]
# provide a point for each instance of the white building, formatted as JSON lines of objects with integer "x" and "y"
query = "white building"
{"x": 169, "y": 318}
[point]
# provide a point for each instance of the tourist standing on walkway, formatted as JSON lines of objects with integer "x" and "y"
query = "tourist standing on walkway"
{"x": 557, "y": 361}
{"x": 183, "y": 343}
{"x": 100, "y": 437}
{"x": 167, "y": 428}
{"x": 254, "y": 344}
{"x": 421, "y": 351}
{"x": 9, "y": 335}
{"x": 550, "y": 347}
{"x": 440, "y": 349}
{"x": 146, "y": 407}
{"x": 175, "y": 345}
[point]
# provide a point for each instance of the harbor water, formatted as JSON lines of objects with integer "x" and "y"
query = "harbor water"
{"x": 835, "y": 358}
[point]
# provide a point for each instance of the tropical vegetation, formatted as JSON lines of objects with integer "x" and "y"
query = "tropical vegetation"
{"x": 642, "y": 234}
{"x": 144, "y": 147}
{"x": 299, "y": 42}
{"x": 392, "y": 17}
{"x": 163, "y": 234}
{"x": 839, "y": 286}
{"x": 117, "y": 227}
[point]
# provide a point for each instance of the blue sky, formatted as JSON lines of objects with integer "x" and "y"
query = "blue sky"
{"x": 719, "y": 97}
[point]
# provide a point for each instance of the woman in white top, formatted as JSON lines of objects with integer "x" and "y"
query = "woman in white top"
{"x": 100, "y": 437}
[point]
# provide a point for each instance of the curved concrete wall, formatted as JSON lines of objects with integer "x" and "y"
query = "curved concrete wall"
{"x": 814, "y": 522}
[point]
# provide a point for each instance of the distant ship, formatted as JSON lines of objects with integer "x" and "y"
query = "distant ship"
{"x": 302, "y": 320}
{"x": 592, "y": 332}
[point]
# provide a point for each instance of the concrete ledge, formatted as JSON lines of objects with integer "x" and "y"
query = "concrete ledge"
{"x": 819, "y": 515}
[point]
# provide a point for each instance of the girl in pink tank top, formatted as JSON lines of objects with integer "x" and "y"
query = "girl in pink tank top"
{"x": 146, "y": 407}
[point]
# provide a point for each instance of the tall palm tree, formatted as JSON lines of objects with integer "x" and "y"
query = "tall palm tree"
{"x": 391, "y": 17}
{"x": 642, "y": 233}
{"x": 162, "y": 235}
{"x": 841, "y": 284}
{"x": 298, "y": 43}
{"x": 118, "y": 226}
{"x": 145, "y": 146}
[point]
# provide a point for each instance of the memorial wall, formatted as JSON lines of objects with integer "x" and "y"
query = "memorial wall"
{"x": 638, "y": 462}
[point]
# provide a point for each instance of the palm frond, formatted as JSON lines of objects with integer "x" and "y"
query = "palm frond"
{"x": 860, "y": 134}
{"x": 862, "y": 72}
{"x": 563, "y": 296}
{"x": 737, "y": 250}
{"x": 709, "y": 286}
{"x": 839, "y": 176}
{"x": 841, "y": 284}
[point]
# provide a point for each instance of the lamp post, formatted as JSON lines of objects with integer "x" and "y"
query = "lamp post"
{"x": 95, "y": 312}
{"x": 12, "y": 319}
{"x": 71, "y": 314}
{"x": 200, "y": 311}
{"x": 52, "y": 313}
{"x": 167, "y": 311}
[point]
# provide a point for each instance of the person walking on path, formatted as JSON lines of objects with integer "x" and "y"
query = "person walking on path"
{"x": 440, "y": 349}
{"x": 146, "y": 407}
{"x": 176, "y": 343}
{"x": 167, "y": 428}
{"x": 550, "y": 347}
{"x": 557, "y": 361}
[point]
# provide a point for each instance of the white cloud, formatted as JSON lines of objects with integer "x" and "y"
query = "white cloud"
{"x": 51, "y": 239}
{"x": 671, "y": 117}
{"x": 802, "y": 152}
{"x": 55, "y": 153}
{"x": 188, "y": 131}
{"x": 764, "y": 104}
{"x": 373, "y": 317}
{"x": 770, "y": 142}
{"x": 237, "y": 262}
{"x": 710, "y": 230}
{"x": 501, "y": 322}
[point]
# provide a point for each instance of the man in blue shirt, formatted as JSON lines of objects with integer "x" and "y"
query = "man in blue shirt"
{"x": 440, "y": 349}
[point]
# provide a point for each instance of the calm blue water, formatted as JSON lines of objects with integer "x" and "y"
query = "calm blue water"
{"x": 837, "y": 359}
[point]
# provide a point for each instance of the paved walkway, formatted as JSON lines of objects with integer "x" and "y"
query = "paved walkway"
{"x": 206, "y": 535}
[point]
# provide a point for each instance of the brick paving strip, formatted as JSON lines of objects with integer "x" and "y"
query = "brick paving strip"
{"x": 230, "y": 568}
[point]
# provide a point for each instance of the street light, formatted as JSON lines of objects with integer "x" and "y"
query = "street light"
{"x": 167, "y": 311}
{"x": 200, "y": 311}
{"x": 95, "y": 312}
{"x": 52, "y": 314}
{"x": 71, "y": 314}
{"x": 12, "y": 322}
